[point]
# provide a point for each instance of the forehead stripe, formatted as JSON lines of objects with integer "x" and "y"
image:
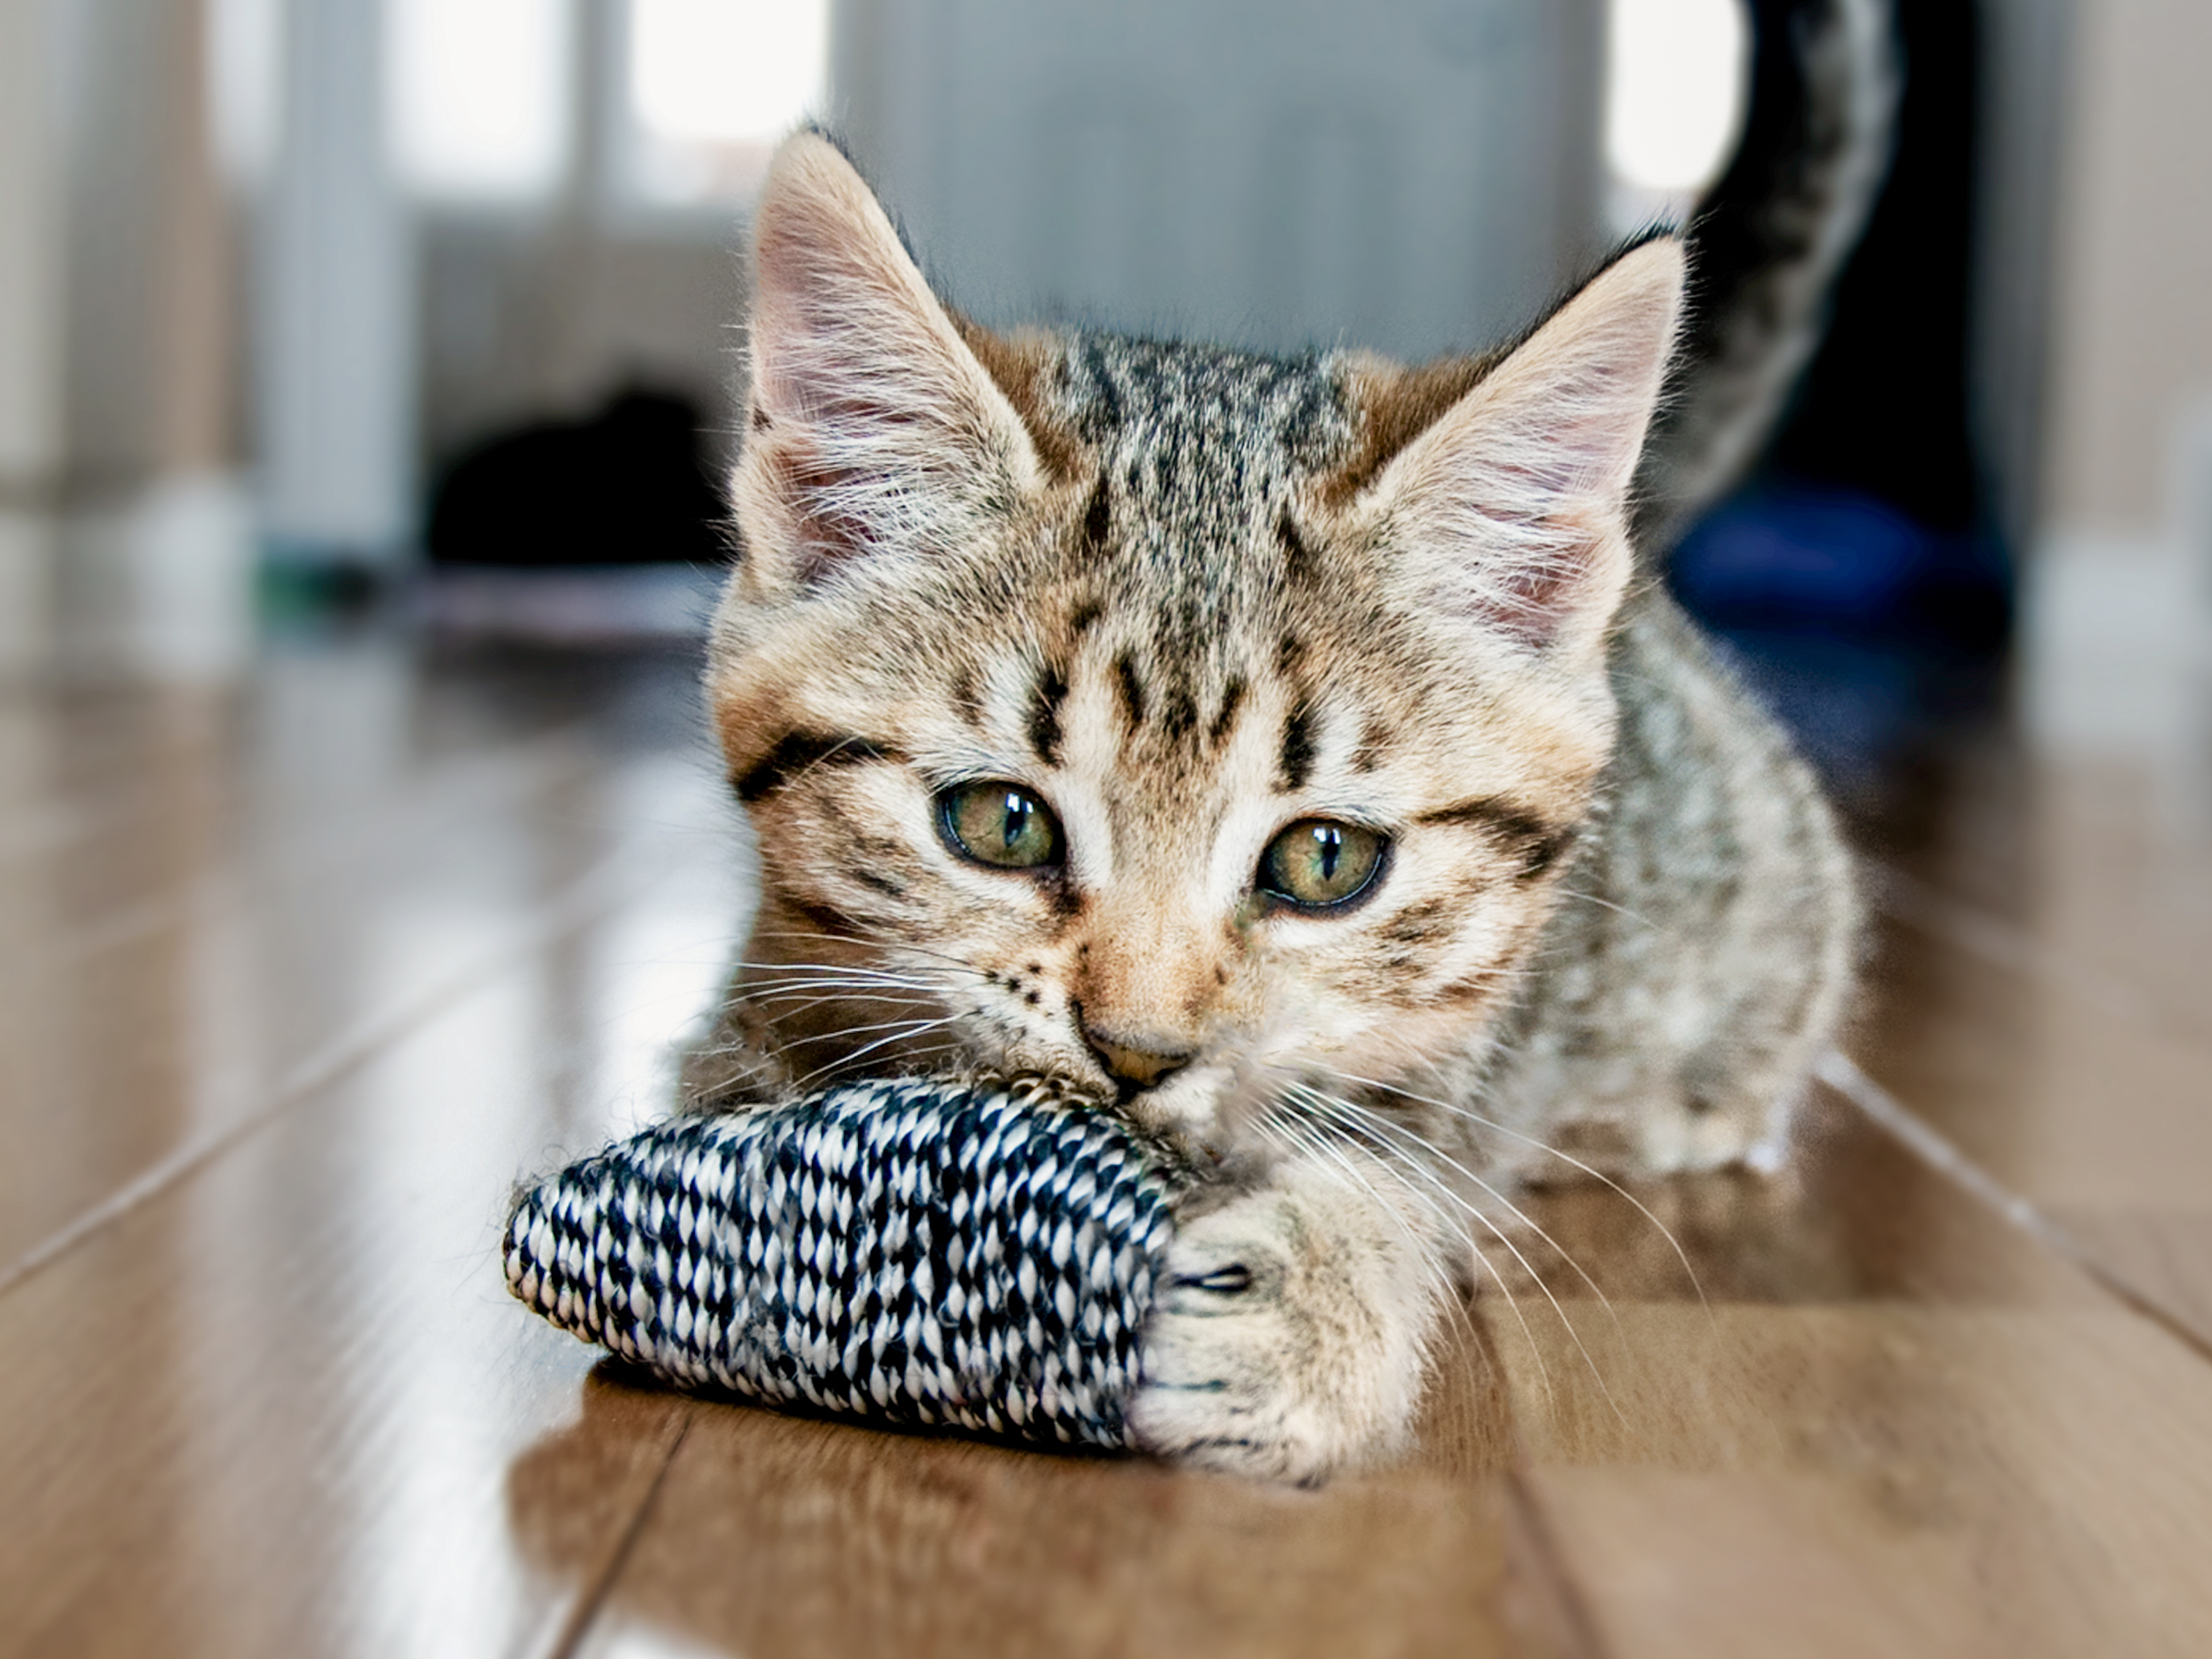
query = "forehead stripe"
{"x": 1298, "y": 745}
{"x": 1535, "y": 839}
{"x": 1044, "y": 714}
{"x": 1232, "y": 696}
{"x": 968, "y": 698}
{"x": 1133, "y": 687}
{"x": 798, "y": 752}
{"x": 1298, "y": 558}
{"x": 1097, "y": 520}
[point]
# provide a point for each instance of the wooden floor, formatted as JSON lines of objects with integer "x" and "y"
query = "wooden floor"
{"x": 298, "y": 980}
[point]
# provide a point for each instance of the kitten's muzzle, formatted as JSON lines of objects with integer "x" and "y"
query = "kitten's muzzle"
{"x": 1135, "y": 1062}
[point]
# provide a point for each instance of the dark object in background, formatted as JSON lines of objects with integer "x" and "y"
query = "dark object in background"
{"x": 1782, "y": 555}
{"x": 1857, "y": 577}
{"x": 625, "y": 487}
{"x": 1868, "y": 519}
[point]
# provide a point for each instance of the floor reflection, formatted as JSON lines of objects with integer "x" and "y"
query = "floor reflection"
{"x": 298, "y": 978}
{"x": 771, "y": 1533}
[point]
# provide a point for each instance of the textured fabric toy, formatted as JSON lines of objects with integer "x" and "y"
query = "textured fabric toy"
{"x": 914, "y": 1252}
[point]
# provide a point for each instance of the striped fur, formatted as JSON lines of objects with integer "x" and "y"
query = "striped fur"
{"x": 1190, "y": 597}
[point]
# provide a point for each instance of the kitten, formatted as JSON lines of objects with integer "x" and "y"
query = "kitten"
{"x": 1287, "y": 753}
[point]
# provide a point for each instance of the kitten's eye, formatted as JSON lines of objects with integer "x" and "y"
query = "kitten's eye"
{"x": 1000, "y": 823}
{"x": 1319, "y": 864}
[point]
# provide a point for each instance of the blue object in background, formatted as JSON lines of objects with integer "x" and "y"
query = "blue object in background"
{"x": 1841, "y": 562}
{"x": 1859, "y": 627}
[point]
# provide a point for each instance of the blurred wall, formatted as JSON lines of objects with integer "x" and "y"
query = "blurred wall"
{"x": 31, "y": 404}
{"x": 1398, "y": 174}
{"x": 123, "y": 544}
{"x": 527, "y": 317}
{"x": 538, "y": 310}
{"x": 31, "y": 401}
{"x": 333, "y": 313}
{"x": 147, "y": 320}
{"x": 2133, "y": 337}
{"x": 2024, "y": 54}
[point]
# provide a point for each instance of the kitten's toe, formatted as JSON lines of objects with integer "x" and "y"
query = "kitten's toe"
{"x": 1271, "y": 1354}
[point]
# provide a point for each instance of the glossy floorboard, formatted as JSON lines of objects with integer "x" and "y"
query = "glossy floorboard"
{"x": 297, "y": 980}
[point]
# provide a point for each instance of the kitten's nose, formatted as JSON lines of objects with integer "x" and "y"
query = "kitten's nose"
{"x": 1140, "y": 1059}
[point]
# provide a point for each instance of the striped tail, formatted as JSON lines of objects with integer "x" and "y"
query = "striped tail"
{"x": 1768, "y": 240}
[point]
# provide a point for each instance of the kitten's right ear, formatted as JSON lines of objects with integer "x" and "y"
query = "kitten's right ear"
{"x": 1508, "y": 513}
{"x": 873, "y": 432}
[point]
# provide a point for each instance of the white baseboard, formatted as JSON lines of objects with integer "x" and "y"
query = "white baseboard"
{"x": 2115, "y": 645}
{"x": 160, "y": 584}
{"x": 28, "y": 544}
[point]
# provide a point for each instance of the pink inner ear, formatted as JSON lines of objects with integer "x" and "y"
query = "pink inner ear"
{"x": 851, "y": 437}
{"x": 1511, "y": 521}
{"x": 1530, "y": 599}
{"x": 1511, "y": 509}
{"x": 1540, "y": 571}
{"x": 823, "y": 538}
{"x": 876, "y": 430}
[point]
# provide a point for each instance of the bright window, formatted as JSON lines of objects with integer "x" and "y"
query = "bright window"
{"x": 1677, "y": 73}
{"x": 242, "y": 46}
{"x": 713, "y": 85}
{"x": 480, "y": 93}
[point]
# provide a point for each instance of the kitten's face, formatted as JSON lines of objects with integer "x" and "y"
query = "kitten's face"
{"x": 1184, "y": 723}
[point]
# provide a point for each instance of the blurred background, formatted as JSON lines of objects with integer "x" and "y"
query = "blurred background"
{"x": 367, "y": 371}
{"x": 426, "y": 310}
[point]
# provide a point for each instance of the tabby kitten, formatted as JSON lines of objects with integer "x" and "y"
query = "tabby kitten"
{"x": 1283, "y": 752}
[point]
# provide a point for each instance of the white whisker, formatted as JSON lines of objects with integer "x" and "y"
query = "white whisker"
{"x": 1477, "y": 1118}
{"x": 1327, "y": 1104}
{"x": 887, "y": 941}
{"x": 1512, "y": 1302}
{"x": 1618, "y": 909}
{"x": 1308, "y": 1138}
{"x": 907, "y": 1028}
{"x": 1405, "y": 1133}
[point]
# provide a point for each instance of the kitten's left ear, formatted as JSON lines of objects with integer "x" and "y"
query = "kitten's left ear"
{"x": 874, "y": 431}
{"x": 1509, "y": 511}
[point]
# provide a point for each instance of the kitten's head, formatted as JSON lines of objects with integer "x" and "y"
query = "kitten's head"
{"x": 1178, "y": 722}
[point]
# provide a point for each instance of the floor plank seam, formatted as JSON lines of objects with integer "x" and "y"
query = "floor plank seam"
{"x": 2011, "y": 948}
{"x": 1841, "y": 1073}
{"x": 598, "y": 890}
{"x": 1571, "y": 1617}
{"x": 535, "y": 769}
{"x": 591, "y": 1598}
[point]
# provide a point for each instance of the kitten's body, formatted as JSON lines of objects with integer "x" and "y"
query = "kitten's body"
{"x": 1702, "y": 953}
{"x": 1177, "y": 599}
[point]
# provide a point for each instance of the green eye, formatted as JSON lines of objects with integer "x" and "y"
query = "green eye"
{"x": 1320, "y": 864}
{"x": 1000, "y": 823}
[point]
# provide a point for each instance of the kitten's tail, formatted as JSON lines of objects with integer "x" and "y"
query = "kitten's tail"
{"x": 1768, "y": 240}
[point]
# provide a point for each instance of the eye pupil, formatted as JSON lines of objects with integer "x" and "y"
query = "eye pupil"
{"x": 999, "y": 824}
{"x": 1320, "y": 865}
{"x": 1331, "y": 850}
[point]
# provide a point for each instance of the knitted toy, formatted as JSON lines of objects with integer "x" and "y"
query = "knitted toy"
{"x": 909, "y": 1251}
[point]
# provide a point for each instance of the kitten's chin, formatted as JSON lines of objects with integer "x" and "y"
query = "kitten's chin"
{"x": 1193, "y": 1109}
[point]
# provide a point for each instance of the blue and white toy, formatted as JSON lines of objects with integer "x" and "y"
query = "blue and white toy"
{"x": 918, "y": 1253}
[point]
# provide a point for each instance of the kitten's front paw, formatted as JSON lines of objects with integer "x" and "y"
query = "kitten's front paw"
{"x": 1287, "y": 1341}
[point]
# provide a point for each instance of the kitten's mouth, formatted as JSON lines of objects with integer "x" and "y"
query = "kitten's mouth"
{"x": 1184, "y": 1108}
{"x": 1135, "y": 1070}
